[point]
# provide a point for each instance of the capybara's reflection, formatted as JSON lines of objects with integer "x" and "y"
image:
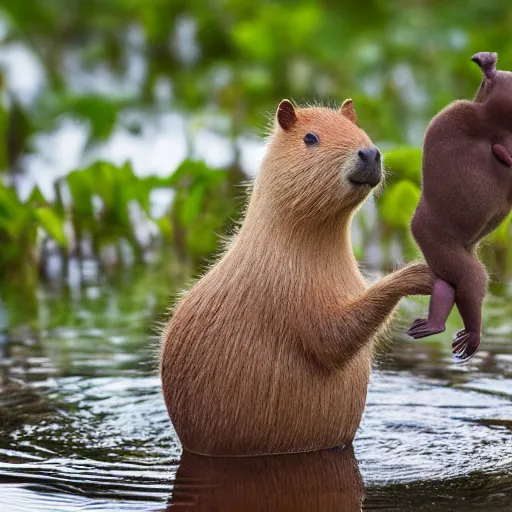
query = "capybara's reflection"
{"x": 323, "y": 481}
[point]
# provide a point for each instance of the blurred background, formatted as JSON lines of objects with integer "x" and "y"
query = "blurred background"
{"x": 127, "y": 127}
{"x": 127, "y": 131}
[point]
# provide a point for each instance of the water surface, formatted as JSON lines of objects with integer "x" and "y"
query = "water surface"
{"x": 83, "y": 425}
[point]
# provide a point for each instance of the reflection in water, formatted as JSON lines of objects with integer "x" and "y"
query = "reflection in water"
{"x": 324, "y": 481}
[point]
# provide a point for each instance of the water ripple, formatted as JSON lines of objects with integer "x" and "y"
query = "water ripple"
{"x": 83, "y": 426}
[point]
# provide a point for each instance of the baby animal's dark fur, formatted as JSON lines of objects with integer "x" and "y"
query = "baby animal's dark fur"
{"x": 466, "y": 193}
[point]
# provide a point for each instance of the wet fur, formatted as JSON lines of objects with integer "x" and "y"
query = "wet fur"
{"x": 270, "y": 351}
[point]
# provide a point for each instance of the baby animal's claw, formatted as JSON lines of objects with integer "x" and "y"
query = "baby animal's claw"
{"x": 422, "y": 328}
{"x": 465, "y": 345}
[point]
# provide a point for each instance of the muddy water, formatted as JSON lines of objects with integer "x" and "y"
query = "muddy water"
{"x": 83, "y": 425}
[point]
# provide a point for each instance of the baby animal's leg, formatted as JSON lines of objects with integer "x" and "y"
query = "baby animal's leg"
{"x": 436, "y": 252}
{"x": 460, "y": 268}
{"x": 469, "y": 295}
{"x": 441, "y": 303}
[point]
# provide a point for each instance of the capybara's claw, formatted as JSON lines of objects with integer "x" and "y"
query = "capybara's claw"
{"x": 422, "y": 328}
{"x": 465, "y": 345}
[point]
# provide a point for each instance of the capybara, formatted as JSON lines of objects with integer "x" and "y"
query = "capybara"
{"x": 270, "y": 351}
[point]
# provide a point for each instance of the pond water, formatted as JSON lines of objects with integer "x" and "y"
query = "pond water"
{"x": 83, "y": 425}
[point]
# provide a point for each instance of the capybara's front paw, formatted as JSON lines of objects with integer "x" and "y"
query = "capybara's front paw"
{"x": 423, "y": 327}
{"x": 465, "y": 345}
{"x": 419, "y": 279}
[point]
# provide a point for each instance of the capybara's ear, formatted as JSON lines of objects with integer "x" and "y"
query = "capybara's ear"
{"x": 347, "y": 110}
{"x": 487, "y": 63}
{"x": 286, "y": 115}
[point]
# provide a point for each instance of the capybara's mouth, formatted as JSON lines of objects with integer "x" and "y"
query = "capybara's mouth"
{"x": 366, "y": 179}
{"x": 363, "y": 183}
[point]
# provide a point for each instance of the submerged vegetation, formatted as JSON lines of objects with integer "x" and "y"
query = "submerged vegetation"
{"x": 209, "y": 77}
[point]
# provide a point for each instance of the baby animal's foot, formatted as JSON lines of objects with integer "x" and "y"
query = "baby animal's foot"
{"x": 423, "y": 327}
{"x": 465, "y": 345}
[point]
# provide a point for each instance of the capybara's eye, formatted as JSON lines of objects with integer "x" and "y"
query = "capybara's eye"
{"x": 311, "y": 139}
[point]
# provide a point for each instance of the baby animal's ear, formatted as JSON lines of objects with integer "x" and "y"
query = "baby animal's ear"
{"x": 347, "y": 110}
{"x": 286, "y": 115}
{"x": 487, "y": 62}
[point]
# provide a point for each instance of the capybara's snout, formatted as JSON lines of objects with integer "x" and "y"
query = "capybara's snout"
{"x": 368, "y": 168}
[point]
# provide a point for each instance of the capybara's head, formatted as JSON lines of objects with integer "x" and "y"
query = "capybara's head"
{"x": 319, "y": 164}
{"x": 495, "y": 89}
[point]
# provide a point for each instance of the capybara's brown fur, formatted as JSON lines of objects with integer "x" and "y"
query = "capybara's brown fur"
{"x": 326, "y": 481}
{"x": 270, "y": 352}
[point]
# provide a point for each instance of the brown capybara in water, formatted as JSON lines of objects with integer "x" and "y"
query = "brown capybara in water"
{"x": 466, "y": 193}
{"x": 270, "y": 352}
{"x": 326, "y": 481}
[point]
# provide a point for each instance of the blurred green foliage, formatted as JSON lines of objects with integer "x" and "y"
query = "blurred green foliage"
{"x": 401, "y": 61}
{"x": 102, "y": 198}
{"x": 115, "y": 63}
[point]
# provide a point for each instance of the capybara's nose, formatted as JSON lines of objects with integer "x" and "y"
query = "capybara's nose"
{"x": 370, "y": 156}
{"x": 368, "y": 169}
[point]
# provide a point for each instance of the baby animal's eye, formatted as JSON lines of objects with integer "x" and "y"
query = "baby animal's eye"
{"x": 311, "y": 139}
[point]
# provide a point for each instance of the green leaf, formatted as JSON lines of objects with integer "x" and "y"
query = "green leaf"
{"x": 52, "y": 224}
{"x": 4, "y": 125}
{"x": 501, "y": 235}
{"x": 165, "y": 226}
{"x": 81, "y": 190}
{"x": 11, "y": 208}
{"x": 101, "y": 112}
{"x": 36, "y": 197}
{"x": 192, "y": 206}
{"x": 403, "y": 163}
{"x": 201, "y": 240}
{"x": 398, "y": 204}
{"x": 254, "y": 39}
{"x": 188, "y": 172}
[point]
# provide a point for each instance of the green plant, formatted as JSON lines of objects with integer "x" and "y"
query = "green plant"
{"x": 116, "y": 189}
{"x": 19, "y": 225}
